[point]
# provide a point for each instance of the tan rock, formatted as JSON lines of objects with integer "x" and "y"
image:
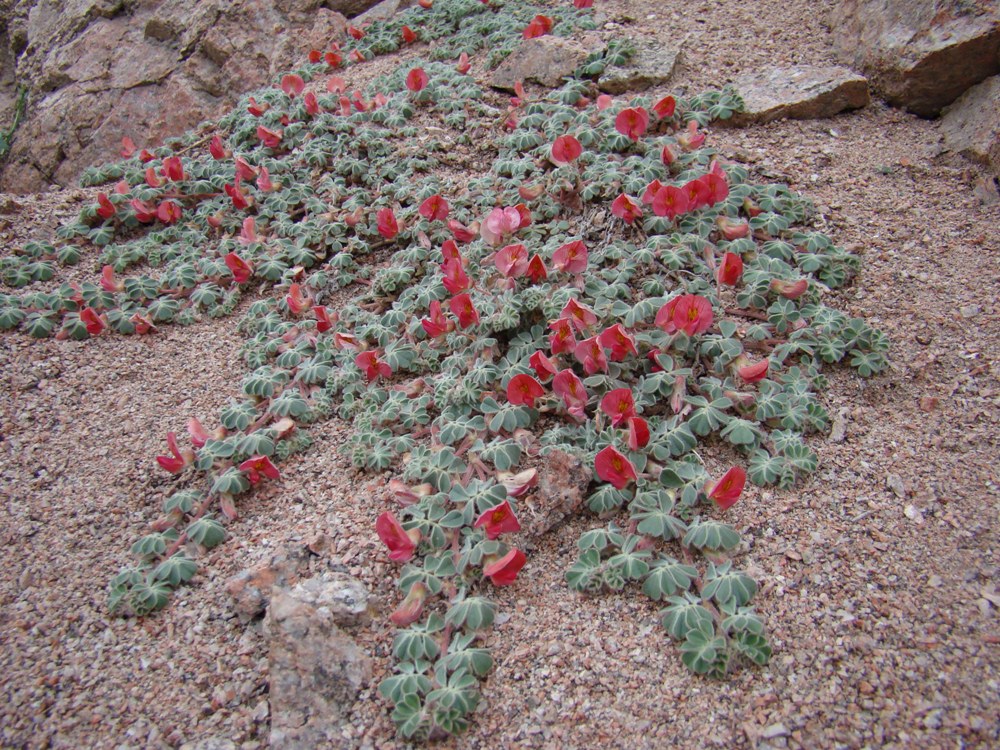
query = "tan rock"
{"x": 919, "y": 54}
{"x": 562, "y": 486}
{"x": 971, "y": 126}
{"x": 545, "y": 60}
{"x": 652, "y": 65}
{"x": 800, "y": 92}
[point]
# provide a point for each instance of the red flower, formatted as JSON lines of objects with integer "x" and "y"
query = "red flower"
{"x": 591, "y": 355}
{"x": 667, "y": 156}
{"x": 151, "y": 179}
{"x": 638, "y": 433}
{"x": 463, "y": 309}
{"x": 618, "y": 405}
{"x": 665, "y": 320}
{"x": 731, "y": 229}
{"x": 297, "y": 302}
{"x": 503, "y": 572}
{"x": 626, "y": 208}
{"x": 256, "y": 467}
{"x": 336, "y": 85}
{"x": 143, "y": 324}
{"x": 199, "y": 435}
{"x": 539, "y": 26}
{"x": 464, "y": 66}
{"x": 216, "y": 149}
{"x": 425, "y": 4}
{"x": 530, "y": 192}
{"x": 323, "y": 322}
{"x": 437, "y": 324}
{"x": 315, "y": 56}
{"x": 355, "y": 32}
{"x": 401, "y": 543}
{"x": 244, "y": 171}
{"x": 449, "y": 251}
{"x": 311, "y": 103}
{"x": 172, "y": 168}
{"x": 92, "y": 321}
{"x": 581, "y": 4}
{"x": 613, "y": 467}
{"x": 175, "y": 462}
{"x": 755, "y": 372}
{"x": 168, "y": 212}
{"x": 237, "y": 195}
{"x": 143, "y": 211}
{"x": 580, "y": 316}
{"x": 270, "y": 138}
{"x": 649, "y": 194}
{"x": 730, "y": 269}
{"x": 346, "y": 341}
{"x": 456, "y": 280}
{"x": 523, "y": 390}
{"x": 603, "y": 102}
{"x": 388, "y": 227}
{"x": 693, "y": 314}
{"x": 512, "y": 260}
{"x": 239, "y": 268}
{"x": 562, "y": 338}
{"x": 409, "y": 35}
{"x": 665, "y": 107}
{"x": 333, "y": 59}
{"x": 412, "y": 607}
{"x": 106, "y": 209}
{"x": 499, "y": 519}
{"x": 542, "y": 365}
{"x": 108, "y": 281}
{"x": 416, "y": 80}
{"x": 264, "y": 178}
{"x": 434, "y": 207}
{"x": 571, "y": 257}
{"x": 698, "y": 194}
{"x": 670, "y": 201}
{"x": 461, "y": 232}
{"x": 565, "y": 149}
{"x": 632, "y": 122}
{"x": 257, "y": 109}
{"x": 499, "y": 223}
{"x": 372, "y": 365}
{"x": 128, "y": 147}
{"x": 536, "y": 269}
{"x": 146, "y": 156}
{"x": 570, "y": 388}
{"x": 619, "y": 341}
{"x": 716, "y": 186}
{"x": 727, "y": 490}
{"x": 692, "y": 139}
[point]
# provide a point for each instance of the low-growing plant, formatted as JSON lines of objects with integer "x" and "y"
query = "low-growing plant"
{"x": 611, "y": 288}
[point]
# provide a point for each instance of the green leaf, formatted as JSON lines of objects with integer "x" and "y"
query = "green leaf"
{"x": 724, "y": 585}
{"x": 231, "y": 482}
{"x": 176, "y": 569}
{"x": 711, "y": 536}
{"x": 684, "y": 615}
{"x": 701, "y": 650}
{"x": 668, "y": 577}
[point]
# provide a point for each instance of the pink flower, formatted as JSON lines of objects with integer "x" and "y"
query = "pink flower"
{"x": 105, "y": 208}
{"x": 649, "y": 194}
{"x": 455, "y": 278}
{"x": 409, "y": 35}
{"x": 638, "y": 433}
{"x": 464, "y": 66}
{"x": 667, "y": 156}
{"x": 581, "y": 4}
{"x": 450, "y": 252}
{"x": 730, "y": 270}
{"x": 523, "y": 390}
{"x": 437, "y": 324}
{"x": 151, "y": 179}
{"x": 175, "y": 462}
{"x": 571, "y": 257}
{"x": 239, "y": 268}
{"x": 92, "y": 321}
{"x": 402, "y": 544}
{"x": 463, "y": 309}
{"x": 257, "y": 109}
{"x": 562, "y": 338}
{"x": 248, "y": 234}
{"x": 388, "y": 227}
{"x": 571, "y": 390}
{"x": 143, "y": 211}
{"x": 264, "y": 180}
{"x": 461, "y": 232}
{"x": 716, "y": 187}
{"x": 603, "y": 102}
{"x": 530, "y": 192}
{"x": 355, "y": 32}
{"x": 416, "y": 80}
{"x": 670, "y": 201}
{"x": 108, "y": 281}
{"x": 336, "y": 85}
{"x": 619, "y": 341}
{"x": 503, "y": 572}
{"x": 790, "y": 289}
{"x": 411, "y": 608}
{"x": 270, "y": 138}
{"x": 727, "y": 490}
{"x": 257, "y": 467}
{"x": 542, "y": 366}
{"x": 626, "y": 208}
{"x": 292, "y": 84}
{"x": 128, "y": 147}
{"x": 591, "y": 355}
{"x": 434, "y": 207}
{"x": 755, "y": 372}
{"x": 500, "y": 223}
{"x": 632, "y": 122}
{"x": 565, "y": 149}
{"x": 168, "y": 212}
{"x": 199, "y": 435}
{"x": 172, "y": 168}
{"x": 692, "y": 314}
{"x": 536, "y": 269}
{"x": 665, "y": 107}
{"x": 323, "y": 322}
{"x": 347, "y": 341}
{"x": 499, "y": 519}
{"x": 311, "y": 103}
{"x": 618, "y": 405}
{"x": 613, "y": 467}
{"x": 237, "y": 195}
{"x": 244, "y": 170}
{"x": 512, "y": 260}
{"x": 580, "y": 316}
{"x": 372, "y": 365}
{"x": 333, "y": 59}
{"x": 732, "y": 229}
{"x": 692, "y": 139}
{"x": 539, "y": 26}
{"x": 297, "y": 302}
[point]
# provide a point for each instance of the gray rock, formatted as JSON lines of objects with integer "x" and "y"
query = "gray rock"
{"x": 545, "y": 60}
{"x": 800, "y": 92}
{"x": 919, "y": 54}
{"x": 210, "y": 743}
{"x": 562, "y": 486}
{"x": 652, "y": 65}
{"x": 316, "y": 669}
{"x": 383, "y": 10}
{"x": 971, "y": 126}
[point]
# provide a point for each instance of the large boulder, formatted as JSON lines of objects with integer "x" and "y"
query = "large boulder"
{"x": 919, "y": 54}
{"x": 98, "y": 70}
{"x": 971, "y": 126}
{"x": 799, "y": 92}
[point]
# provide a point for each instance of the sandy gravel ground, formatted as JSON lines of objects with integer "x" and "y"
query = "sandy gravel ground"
{"x": 880, "y": 573}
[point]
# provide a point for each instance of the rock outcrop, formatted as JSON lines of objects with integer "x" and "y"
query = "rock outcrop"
{"x": 800, "y": 92}
{"x": 545, "y": 60}
{"x": 971, "y": 126}
{"x": 919, "y": 54}
{"x": 98, "y": 70}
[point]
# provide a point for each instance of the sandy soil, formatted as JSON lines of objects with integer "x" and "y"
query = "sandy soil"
{"x": 880, "y": 572}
